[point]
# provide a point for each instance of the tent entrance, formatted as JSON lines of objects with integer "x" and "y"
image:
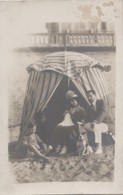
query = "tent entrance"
{"x": 57, "y": 105}
{"x": 55, "y": 108}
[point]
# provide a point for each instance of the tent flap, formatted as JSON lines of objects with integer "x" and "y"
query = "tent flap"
{"x": 43, "y": 86}
{"x": 92, "y": 78}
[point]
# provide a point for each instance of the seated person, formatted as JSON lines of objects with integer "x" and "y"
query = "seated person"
{"x": 66, "y": 133}
{"x": 41, "y": 125}
{"x": 97, "y": 118}
{"x": 35, "y": 144}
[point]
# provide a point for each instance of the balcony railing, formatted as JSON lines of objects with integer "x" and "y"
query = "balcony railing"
{"x": 71, "y": 39}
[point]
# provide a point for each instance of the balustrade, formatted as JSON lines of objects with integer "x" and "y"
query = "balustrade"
{"x": 72, "y": 39}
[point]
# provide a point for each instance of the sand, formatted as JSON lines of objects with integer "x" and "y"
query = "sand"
{"x": 66, "y": 168}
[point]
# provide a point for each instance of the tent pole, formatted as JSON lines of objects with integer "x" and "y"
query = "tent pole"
{"x": 68, "y": 82}
{"x": 65, "y": 37}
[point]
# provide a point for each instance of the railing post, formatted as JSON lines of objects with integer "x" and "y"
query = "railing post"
{"x": 77, "y": 40}
{"x": 95, "y": 38}
{"x": 83, "y": 39}
{"x": 64, "y": 39}
{"x": 112, "y": 39}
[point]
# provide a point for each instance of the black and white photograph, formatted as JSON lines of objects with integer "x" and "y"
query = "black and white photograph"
{"x": 61, "y": 79}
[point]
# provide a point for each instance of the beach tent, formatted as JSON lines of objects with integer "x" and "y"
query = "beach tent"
{"x": 53, "y": 75}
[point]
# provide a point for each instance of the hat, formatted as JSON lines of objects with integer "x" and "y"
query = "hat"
{"x": 70, "y": 94}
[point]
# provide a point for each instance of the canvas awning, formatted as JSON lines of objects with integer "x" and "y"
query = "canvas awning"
{"x": 68, "y": 63}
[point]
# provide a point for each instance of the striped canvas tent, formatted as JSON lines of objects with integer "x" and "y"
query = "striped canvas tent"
{"x": 46, "y": 75}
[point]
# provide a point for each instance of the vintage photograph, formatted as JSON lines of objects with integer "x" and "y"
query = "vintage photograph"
{"x": 62, "y": 99}
{"x": 61, "y": 90}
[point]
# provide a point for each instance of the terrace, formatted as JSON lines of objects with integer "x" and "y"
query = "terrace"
{"x": 79, "y": 41}
{"x": 71, "y": 39}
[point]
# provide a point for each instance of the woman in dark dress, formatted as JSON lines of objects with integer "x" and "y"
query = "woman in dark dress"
{"x": 66, "y": 133}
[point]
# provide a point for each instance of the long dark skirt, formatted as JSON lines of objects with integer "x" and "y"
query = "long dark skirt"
{"x": 61, "y": 136}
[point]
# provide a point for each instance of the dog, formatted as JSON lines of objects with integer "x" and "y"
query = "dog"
{"x": 82, "y": 146}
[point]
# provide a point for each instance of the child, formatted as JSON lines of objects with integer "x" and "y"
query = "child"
{"x": 34, "y": 143}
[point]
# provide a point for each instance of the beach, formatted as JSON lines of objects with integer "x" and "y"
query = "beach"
{"x": 66, "y": 168}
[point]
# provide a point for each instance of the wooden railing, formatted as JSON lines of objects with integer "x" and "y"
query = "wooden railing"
{"x": 71, "y": 39}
